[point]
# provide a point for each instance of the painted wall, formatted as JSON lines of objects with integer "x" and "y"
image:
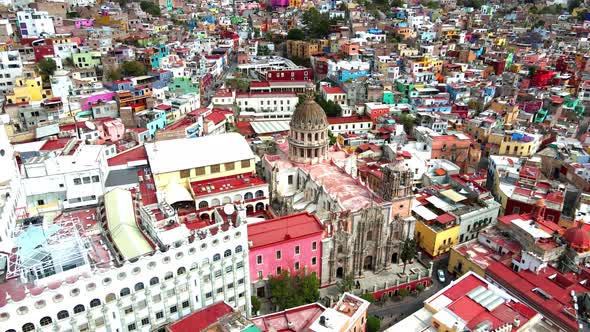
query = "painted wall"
{"x": 434, "y": 242}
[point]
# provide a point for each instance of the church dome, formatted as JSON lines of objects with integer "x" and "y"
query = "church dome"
{"x": 577, "y": 237}
{"x": 309, "y": 116}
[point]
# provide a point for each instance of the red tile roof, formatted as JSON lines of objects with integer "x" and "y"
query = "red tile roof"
{"x": 333, "y": 89}
{"x": 202, "y": 319}
{"x": 283, "y": 229}
{"x": 215, "y": 117}
{"x": 348, "y": 119}
{"x": 226, "y": 183}
{"x": 263, "y": 84}
{"x": 134, "y": 154}
{"x": 55, "y": 144}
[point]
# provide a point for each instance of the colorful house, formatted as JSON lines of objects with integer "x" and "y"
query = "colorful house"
{"x": 87, "y": 59}
{"x": 28, "y": 88}
{"x": 290, "y": 243}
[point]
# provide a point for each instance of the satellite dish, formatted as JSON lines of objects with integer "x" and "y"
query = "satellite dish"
{"x": 90, "y": 125}
{"x": 229, "y": 209}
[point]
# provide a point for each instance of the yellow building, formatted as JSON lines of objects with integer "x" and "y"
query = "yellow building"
{"x": 28, "y": 87}
{"x": 508, "y": 110}
{"x": 178, "y": 162}
{"x": 295, "y": 3}
{"x": 469, "y": 256}
{"x": 436, "y": 238}
{"x": 302, "y": 49}
{"x": 514, "y": 143}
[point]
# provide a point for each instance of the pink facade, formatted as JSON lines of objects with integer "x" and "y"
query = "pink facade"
{"x": 292, "y": 243}
{"x": 84, "y": 23}
{"x": 113, "y": 130}
{"x": 86, "y": 102}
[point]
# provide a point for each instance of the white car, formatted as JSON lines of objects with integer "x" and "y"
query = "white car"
{"x": 441, "y": 275}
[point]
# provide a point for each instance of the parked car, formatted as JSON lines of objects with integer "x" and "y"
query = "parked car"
{"x": 441, "y": 276}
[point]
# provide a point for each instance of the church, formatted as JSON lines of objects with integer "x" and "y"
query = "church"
{"x": 365, "y": 225}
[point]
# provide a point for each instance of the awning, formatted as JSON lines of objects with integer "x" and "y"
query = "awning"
{"x": 177, "y": 193}
{"x": 128, "y": 239}
{"x": 453, "y": 195}
{"x": 424, "y": 213}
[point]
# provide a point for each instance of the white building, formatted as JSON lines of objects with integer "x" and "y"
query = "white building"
{"x": 61, "y": 84}
{"x": 67, "y": 177}
{"x": 334, "y": 94}
{"x": 266, "y": 105}
{"x": 11, "y": 67}
{"x": 34, "y": 23}
{"x": 12, "y": 202}
{"x": 121, "y": 276}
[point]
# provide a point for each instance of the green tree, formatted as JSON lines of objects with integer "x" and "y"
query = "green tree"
{"x": 431, "y": 5}
{"x": 287, "y": 291}
{"x": 373, "y": 324}
{"x": 403, "y": 292}
{"x": 150, "y": 8}
{"x": 332, "y": 138}
{"x": 347, "y": 283}
{"x": 296, "y": 34}
{"x": 408, "y": 121}
{"x": 397, "y": 3}
{"x": 239, "y": 84}
{"x": 255, "y": 304}
{"x": 368, "y": 297}
{"x": 133, "y": 68}
{"x": 69, "y": 61}
{"x": 263, "y": 50}
{"x": 46, "y": 67}
{"x": 317, "y": 24}
{"x": 113, "y": 75}
{"x": 409, "y": 250}
{"x": 419, "y": 288}
{"x": 330, "y": 107}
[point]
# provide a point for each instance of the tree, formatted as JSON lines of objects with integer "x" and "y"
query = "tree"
{"x": 397, "y": 3}
{"x": 431, "y": 5}
{"x": 368, "y": 297}
{"x": 373, "y": 324}
{"x": 317, "y": 24}
{"x": 263, "y": 50}
{"x": 255, "y": 304}
{"x": 403, "y": 292}
{"x": 408, "y": 121}
{"x": 68, "y": 61}
{"x": 239, "y": 84}
{"x": 333, "y": 138}
{"x": 150, "y": 8}
{"x": 133, "y": 68}
{"x": 409, "y": 250}
{"x": 347, "y": 283}
{"x": 114, "y": 75}
{"x": 296, "y": 34}
{"x": 330, "y": 107}
{"x": 419, "y": 288}
{"x": 46, "y": 66}
{"x": 289, "y": 291}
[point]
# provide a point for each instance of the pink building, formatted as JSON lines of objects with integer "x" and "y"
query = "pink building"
{"x": 87, "y": 101}
{"x": 112, "y": 130}
{"x": 84, "y": 23}
{"x": 292, "y": 243}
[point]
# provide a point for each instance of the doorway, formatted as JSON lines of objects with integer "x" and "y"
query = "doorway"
{"x": 340, "y": 272}
{"x": 368, "y": 263}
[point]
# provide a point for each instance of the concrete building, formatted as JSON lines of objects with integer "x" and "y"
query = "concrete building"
{"x": 11, "y": 66}
{"x": 32, "y": 23}
{"x": 265, "y": 105}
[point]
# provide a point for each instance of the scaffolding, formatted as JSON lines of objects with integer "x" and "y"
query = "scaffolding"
{"x": 47, "y": 249}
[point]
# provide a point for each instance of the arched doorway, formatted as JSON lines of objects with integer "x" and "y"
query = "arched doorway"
{"x": 368, "y": 263}
{"x": 205, "y": 216}
{"x": 340, "y": 272}
{"x": 394, "y": 258}
{"x": 249, "y": 209}
{"x": 259, "y": 206}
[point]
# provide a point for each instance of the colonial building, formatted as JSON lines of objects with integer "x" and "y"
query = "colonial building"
{"x": 364, "y": 229}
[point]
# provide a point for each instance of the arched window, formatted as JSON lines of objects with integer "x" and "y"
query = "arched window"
{"x": 216, "y": 257}
{"x": 110, "y": 297}
{"x": 340, "y": 249}
{"x": 203, "y": 205}
{"x": 181, "y": 270}
{"x": 63, "y": 314}
{"x": 79, "y": 308}
{"x": 370, "y": 236}
{"x": 259, "y": 193}
{"x": 139, "y": 286}
{"x": 11, "y": 330}
{"x": 45, "y": 321}
{"x": 238, "y": 249}
{"x": 125, "y": 291}
{"x": 317, "y": 136}
{"x": 94, "y": 303}
{"x": 248, "y": 196}
{"x": 28, "y": 327}
{"x": 154, "y": 281}
{"x": 227, "y": 253}
{"x": 168, "y": 276}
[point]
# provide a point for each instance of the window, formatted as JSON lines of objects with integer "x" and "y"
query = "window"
{"x": 128, "y": 310}
{"x": 279, "y": 270}
{"x": 314, "y": 260}
{"x": 230, "y": 285}
{"x": 154, "y": 281}
{"x": 168, "y": 276}
{"x": 216, "y": 257}
{"x": 156, "y": 298}
{"x": 239, "y": 265}
{"x": 185, "y": 173}
{"x": 227, "y": 253}
{"x": 296, "y": 266}
{"x": 229, "y": 268}
{"x": 229, "y": 166}
{"x": 94, "y": 303}
{"x": 145, "y": 321}
{"x": 314, "y": 246}
{"x": 159, "y": 315}
{"x": 296, "y": 250}
{"x": 259, "y": 274}
{"x": 208, "y": 295}
{"x": 185, "y": 304}
{"x": 125, "y": 291}
{"x": 217, "y": 273}
{"x": 95, "y": 178}
{"x": 45, "y": 321}
{"x": 259, "y": 259}
{"x": 245, "y": 163}
{"x": 79, "y": 308}
{"x": 238, "y": 249}
{"x": 219, "y": 290}
{"x": 278, "y": 255}
{"x": 200, "y": 171}
{"x": 86, "y": 179}
{"x": 77, "y": 181}
{"x": 63, "y": 314}
{"x": 290, "y": 179}
{"x": 131, "y": 327}
{"x": 28, "y": 327}
{"x": 173, "y": 309}
{"x": 215, "y": 168}
{"x": 240, "y": 281}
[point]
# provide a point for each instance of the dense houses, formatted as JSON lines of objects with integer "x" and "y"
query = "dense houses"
{"x": 167, "y": 166}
